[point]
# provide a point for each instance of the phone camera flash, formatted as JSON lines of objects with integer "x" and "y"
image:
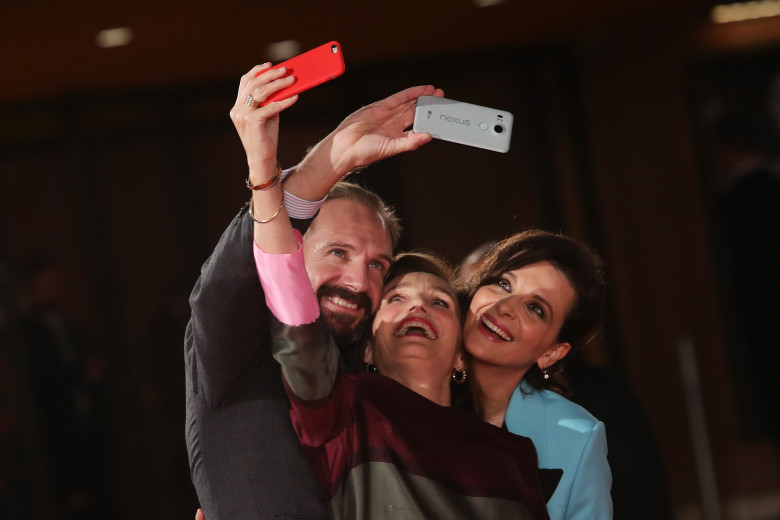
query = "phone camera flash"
{"x": 334, "y": 48}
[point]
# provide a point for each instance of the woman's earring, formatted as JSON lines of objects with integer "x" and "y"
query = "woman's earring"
{"x": 370, "y": 368}
{"x": 459, "y": 375}
{"x": 545, "y": 374}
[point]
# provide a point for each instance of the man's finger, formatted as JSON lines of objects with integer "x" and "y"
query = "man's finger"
{"x": 405, "y": 117}
{"x": 407, "y": 95}
{"x": 410, "y": 141}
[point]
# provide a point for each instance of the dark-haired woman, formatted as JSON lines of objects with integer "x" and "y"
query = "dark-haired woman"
{"x": 533, "y": 298}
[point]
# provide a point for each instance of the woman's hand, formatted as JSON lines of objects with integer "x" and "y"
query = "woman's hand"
{"x": 258, "y": 127}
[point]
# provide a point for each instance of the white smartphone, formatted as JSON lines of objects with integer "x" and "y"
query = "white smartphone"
{"x": 464, "y": 123}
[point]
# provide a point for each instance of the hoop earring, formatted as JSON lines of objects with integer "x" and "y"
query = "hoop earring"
{"x": 459, "y": 375}
{"x": 369, "y": 367}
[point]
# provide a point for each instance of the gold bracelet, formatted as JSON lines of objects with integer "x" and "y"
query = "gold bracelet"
{"x": 263, "y": 185}
{"x": 267, "y": 185}
{"x": 266, "y": 221}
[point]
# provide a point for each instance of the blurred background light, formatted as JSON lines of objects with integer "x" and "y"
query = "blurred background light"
{"x": 280, "y": 51}
{"x": 116, "y": 37}
{"x": 745, "y": 11}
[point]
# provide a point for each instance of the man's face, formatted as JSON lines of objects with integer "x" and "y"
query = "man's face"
{"x": 347, "y": 251}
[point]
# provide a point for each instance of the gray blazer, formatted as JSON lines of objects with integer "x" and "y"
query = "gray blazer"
{"x": 245, "y": 459}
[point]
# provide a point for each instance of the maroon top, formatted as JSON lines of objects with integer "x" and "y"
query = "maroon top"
{"x": 381, "y": 450}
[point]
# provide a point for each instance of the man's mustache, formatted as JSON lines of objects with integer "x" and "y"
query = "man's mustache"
{"x": 360, "y": 299}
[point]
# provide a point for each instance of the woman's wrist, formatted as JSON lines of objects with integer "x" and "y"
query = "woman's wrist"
{"x": 269, "y": 182}
{"x": 260, "y": 172}
{"x": 266, "y": 201}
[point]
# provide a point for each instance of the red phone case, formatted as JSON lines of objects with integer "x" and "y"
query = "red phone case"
{"x": 310, "y": 69}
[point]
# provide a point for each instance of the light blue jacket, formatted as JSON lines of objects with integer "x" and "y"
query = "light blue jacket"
{"x": 566, "y": 437}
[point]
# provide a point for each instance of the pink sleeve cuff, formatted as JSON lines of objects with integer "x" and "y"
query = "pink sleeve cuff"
{"x": 287, "y": 288}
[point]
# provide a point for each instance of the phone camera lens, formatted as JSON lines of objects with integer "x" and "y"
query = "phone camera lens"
{"x": 498, "y": 129}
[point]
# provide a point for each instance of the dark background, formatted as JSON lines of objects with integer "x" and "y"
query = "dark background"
{"x": 119, "y": 168}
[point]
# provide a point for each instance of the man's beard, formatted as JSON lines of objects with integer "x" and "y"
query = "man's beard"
{"x": 347, "y": 332}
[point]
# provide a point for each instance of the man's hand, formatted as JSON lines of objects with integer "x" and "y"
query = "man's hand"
{"x": 368, "y": 135}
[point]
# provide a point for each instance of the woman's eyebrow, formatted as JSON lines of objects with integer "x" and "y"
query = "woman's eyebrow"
{"x": 445, "y": 289}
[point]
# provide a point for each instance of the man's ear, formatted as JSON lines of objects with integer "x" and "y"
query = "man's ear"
{"x": 556, "y": 353}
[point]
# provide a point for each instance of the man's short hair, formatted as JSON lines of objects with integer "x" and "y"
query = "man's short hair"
{"x": 348, "y": 190}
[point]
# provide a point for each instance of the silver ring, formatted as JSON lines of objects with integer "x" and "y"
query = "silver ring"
{"x": 250, "y": 101}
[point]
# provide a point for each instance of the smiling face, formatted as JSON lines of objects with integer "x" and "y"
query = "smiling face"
{"x": 347, "y": 251}
{"x": 417, "y": 325}
{"x": 514, "y": 322}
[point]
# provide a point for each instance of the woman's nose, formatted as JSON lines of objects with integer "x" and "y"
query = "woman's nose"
{"x": 417, "y": 303}
{"x": 508, "y": 306}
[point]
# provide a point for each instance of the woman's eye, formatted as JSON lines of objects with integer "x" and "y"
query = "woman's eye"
{"x": 394, "y": 298}
{"x": 537, "y": 309}
{"x": 441, "y": 303}
{"x": 504, "y": 284}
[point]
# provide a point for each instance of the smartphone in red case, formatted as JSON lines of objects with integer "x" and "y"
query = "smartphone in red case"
{"x": 310, "y": 69}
